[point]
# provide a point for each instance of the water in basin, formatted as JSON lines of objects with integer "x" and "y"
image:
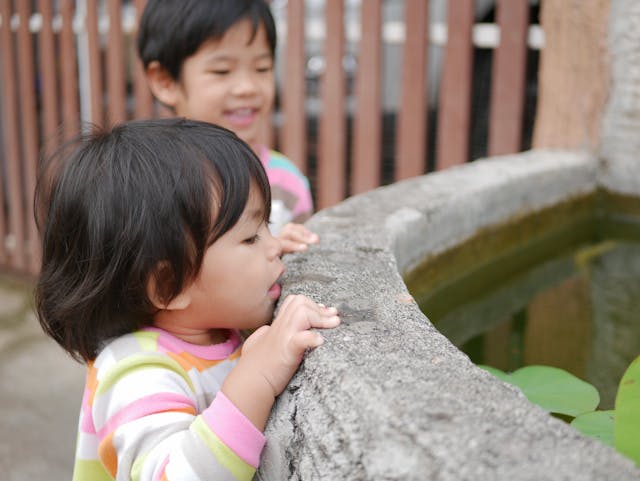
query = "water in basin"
{"x": 559, "y": 287}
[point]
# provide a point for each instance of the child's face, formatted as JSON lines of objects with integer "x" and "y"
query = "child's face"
{"x": 237, "y": 284}
{"x": 230, "y": 82}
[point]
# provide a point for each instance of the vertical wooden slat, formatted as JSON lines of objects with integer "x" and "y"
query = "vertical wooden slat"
{"x": 29, "y": 130}
{"x": 331, "y": 133}
{"x": 69, "y": 71}
{"x": 508, "y": 78}
{"x": 143, "y": 97}
{"x": 365, "y": 174}
{"x": 95, "y": 67}
{"x": 452, "y": 145}
{"x": 294, "y": 129}
{"x": 16, "y": 228}
{"x": 412, "y": 117}
{"x": 49, "y": 81}
{"x": 3, "y": 219}
{"x": 115, "y": 65}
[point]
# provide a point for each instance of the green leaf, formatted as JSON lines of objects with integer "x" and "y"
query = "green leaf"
{"x": 627, "y": 416}
{"x": 552, "y": 389}
{"x": 597, "y": 424}
{"x": 556, "y": 390}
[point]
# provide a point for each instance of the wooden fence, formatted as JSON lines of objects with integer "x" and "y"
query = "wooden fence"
{"x": 77, "y": 63}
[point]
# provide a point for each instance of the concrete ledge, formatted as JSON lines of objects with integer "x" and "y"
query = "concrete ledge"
{"x": 387, "y": 396}
{"x": 620, "y": 142}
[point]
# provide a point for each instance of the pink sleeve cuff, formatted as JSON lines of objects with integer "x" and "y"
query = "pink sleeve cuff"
{"x": 234, "y": 429}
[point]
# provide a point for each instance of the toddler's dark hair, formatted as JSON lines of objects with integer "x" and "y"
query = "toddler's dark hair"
{"x": 116, "y": 207}
{"x": 172, "y": 30}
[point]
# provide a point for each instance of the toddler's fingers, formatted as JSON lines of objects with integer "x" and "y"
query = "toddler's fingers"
{"x": 319, "y": 317}
{"x": 287, "y": 301}
{"x": 299, "y": 233}
{"x": 324, "y": 321}
{"x": 300, "y": 301}
{"x": 289, "y": 245}
{"x": 297, "y": 300}
{"x": 305, "y": 235}
{"x": 303, "y": 313}
{"x": 306, "y": 340}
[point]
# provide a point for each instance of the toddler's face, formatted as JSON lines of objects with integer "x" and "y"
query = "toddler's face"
{"x": 230, "y": 82}
{"x": 237, "y": 286}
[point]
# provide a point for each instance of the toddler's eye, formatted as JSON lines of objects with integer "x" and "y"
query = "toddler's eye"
{"x": 264, "y": 69}
{"x": 251, "y": 240}
{"x": 220, "y": 71}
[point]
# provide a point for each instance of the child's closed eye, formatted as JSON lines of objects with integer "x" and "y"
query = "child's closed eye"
{"x": 251, "y": 240}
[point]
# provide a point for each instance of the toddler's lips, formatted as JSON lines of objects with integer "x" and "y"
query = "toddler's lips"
{"x": 274, "y": 291}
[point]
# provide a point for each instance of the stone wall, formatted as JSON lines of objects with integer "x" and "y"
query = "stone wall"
{"x": 387, "y": 396}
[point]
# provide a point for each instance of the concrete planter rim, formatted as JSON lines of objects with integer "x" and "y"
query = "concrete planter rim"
{"x": 387, "y": 396}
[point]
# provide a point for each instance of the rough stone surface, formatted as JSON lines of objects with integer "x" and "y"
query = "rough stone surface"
{"x": 387, "y": 397}
{"x": 621, "y": 123}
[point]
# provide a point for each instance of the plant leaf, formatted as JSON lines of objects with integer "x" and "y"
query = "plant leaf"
{"x": 597, "y": 424}
{"x": 555, "y": 390}
{"x": 627, "y": 416}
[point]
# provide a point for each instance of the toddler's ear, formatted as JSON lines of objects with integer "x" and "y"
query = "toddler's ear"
{"x": 162, "y": 84}
{"x": 158, "y": 289}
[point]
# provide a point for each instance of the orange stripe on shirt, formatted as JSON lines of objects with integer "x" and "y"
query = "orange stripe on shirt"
{"x": 108, "y": 455}
{"x": 92, "y": 383}
{"x": 188, "y": 361}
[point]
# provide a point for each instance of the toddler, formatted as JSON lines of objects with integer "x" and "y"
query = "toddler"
{"x": 156, "y": 253}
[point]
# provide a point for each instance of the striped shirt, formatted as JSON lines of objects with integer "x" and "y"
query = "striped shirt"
{"x": 290, "y": 193}
{"x": 152, "y": 410}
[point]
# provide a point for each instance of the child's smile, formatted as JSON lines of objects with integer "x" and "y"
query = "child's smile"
{"x": 241, "y": 117}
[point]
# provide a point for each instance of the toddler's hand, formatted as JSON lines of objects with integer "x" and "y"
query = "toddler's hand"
{"x": 296, "y": 238}
{"x": 272, "y": 354}
{"x": 277, "y": 350}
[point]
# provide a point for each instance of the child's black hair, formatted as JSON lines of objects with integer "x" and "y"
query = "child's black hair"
{"x": 170, "y": 31}
{"x": 116, "y": 207}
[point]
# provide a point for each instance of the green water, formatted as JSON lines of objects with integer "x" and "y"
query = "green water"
{"x": 559, "y": 287}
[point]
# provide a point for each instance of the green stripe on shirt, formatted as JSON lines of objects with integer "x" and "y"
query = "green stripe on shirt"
{"x": 225, "y": 456}
{"x": 85, "y": 470}
{"x": 141, "y": 361}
